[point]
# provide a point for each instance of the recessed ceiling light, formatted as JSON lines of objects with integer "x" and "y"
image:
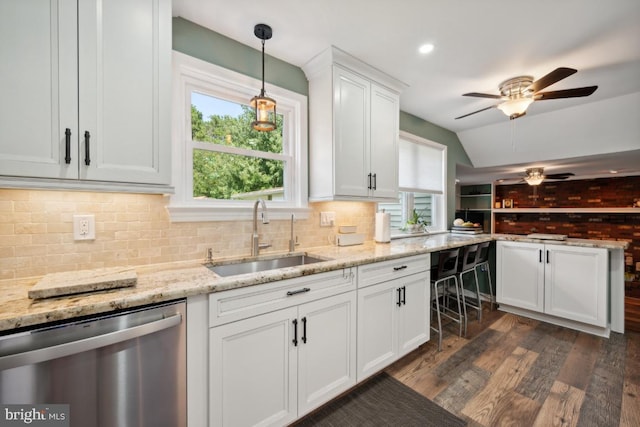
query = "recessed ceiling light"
{"x": 426, "y": 48}
{"x": 613, "y": 171}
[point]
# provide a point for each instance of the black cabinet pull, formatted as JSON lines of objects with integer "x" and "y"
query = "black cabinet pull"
{"x": 539, "y": 255}
{"x": 369, "y": 187}
{"x": 402, "y": 267}
{"x": 304, "y": 330}
{"x": 404, "y": 295}
{"x": 295, "y": 332}
{"x": 399, "y": 303}
{"x": 67, "y": 145}
{"x": 87, "y": 158}
{"x": 299, "y": 291}
{"x": 547, "y": 257}
{"x": 375, "y": 182}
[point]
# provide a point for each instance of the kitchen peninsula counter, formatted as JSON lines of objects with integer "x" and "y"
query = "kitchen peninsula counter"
{"x": 165, "y": 282}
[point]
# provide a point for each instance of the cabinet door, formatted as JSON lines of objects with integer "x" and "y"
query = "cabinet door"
{"x": 38, "y": 65}
{"x": 377, "y": 327}
{"x": 252, "y": 371}
{"x": 576, "y": 283}
{"x": 326, "y": 350}
{"x": 413, "y": 314}
{"x": 385, "y": 107}
{"x": 351, "y": 97}
{"x": 124, "y": 81}
{"x": 520, "y": 275}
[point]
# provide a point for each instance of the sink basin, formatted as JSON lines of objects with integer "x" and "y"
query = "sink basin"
{"x": 255, "y": 266}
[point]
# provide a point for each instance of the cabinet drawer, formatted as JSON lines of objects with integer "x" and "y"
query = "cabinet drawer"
{"x": 237, "y": 304}
{"x": 379, "y": 272}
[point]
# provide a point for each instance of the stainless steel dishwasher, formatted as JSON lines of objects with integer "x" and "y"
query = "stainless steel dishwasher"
{"x": 125, "y": 369}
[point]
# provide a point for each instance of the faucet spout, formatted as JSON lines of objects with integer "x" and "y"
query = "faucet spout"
{"x": 255, "y": 245}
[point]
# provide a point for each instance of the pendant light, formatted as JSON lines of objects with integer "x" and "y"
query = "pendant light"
{"x": 265, "y": 107}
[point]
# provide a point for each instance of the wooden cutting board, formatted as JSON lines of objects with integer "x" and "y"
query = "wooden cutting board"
{"x": 75, "y": 282}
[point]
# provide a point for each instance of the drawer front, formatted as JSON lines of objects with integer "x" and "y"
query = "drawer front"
{"x": 379, "y": 272}
{"x": 237, "y": 304}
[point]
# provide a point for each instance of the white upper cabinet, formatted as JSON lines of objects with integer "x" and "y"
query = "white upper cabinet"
{"x": 354, "y": 124}
{"x": 88, "y": 91}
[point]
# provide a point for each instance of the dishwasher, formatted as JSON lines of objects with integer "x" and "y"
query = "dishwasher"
{"x": 122, "y": 369}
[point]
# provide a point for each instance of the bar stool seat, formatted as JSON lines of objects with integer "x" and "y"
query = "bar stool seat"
{"x": 440, "y": 278}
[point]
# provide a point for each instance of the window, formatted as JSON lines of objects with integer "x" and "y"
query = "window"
{"x": 220, "y": 164}
{"x": 422, "y": 182}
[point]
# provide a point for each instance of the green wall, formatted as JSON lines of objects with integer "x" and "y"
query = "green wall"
{"x": 194, "y": 40}
{"x": 199, "y": 42}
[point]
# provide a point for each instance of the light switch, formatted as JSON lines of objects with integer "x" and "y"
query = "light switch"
{"x": 327, "y": 219}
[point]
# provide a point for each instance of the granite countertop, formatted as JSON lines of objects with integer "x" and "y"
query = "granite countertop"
{"x": 585, "y": 243}
{"x": 167, "y": 282}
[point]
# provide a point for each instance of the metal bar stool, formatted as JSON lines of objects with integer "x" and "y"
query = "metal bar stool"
{"x": 483, "y": 264}
{"x": 470, "y": 297}
{"x": 446, "y": 271}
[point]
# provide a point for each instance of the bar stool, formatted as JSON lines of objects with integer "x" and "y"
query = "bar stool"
{"x": 470, "y": 297}
{"x": 446, "y": 271}
{"x": 483, "y": 264}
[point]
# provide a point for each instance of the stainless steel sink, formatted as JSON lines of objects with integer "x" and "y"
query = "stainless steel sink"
{"x": 255, "y": 266}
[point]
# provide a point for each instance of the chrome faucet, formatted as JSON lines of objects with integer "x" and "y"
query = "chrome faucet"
{"x": 292, "y": 240}
{"x": 255, "y": 244}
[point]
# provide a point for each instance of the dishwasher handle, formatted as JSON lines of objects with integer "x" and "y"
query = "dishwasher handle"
{"x": 86, "y": 344}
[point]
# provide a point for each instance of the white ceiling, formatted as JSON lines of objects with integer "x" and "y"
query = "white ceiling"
{"x": 478, "y": 44}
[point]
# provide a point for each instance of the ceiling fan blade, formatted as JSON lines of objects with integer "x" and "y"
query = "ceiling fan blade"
{"x": 482, "y": 95}
{"x": 566, "y": 93}
{"x": 551, "y": 78}
{"x": 559, "y": 175}
{"x": 484, "y": 109}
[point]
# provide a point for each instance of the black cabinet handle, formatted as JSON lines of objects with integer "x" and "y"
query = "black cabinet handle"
{"x": 547, "y": 257}
{"x": 539, "y": 255}
{"x": 295, "y": 332}
{"x": 404, "y": 295}
{"x": 67, "y": 145}
{"x": 375, "y": 182}
{"x": 402, "y": 267}
{"x": 369, "y": 187}
{"x": 299, "y": 291}
{"x": 399, "y": 303}
{"x": 87, "y": 158}
{"x": 304, "y": 330}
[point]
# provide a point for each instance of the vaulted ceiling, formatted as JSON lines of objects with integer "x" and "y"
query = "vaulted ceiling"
{"x": 478, "y": 44}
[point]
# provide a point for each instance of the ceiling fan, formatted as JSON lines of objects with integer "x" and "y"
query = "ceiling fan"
{"x": 535, "y": 176}
{"x": 519, "y": 92}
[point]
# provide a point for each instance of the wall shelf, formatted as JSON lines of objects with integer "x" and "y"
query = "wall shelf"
{"x": 567, "y": 210}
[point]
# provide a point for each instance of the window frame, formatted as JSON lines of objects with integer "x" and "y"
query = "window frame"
{"x": 192, "y": 74}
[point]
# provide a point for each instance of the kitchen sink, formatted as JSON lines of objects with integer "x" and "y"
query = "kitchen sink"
{"x": 255, "y": 266}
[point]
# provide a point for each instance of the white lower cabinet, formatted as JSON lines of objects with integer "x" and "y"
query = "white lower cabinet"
{"x": 273, "y": 368}
{"x": 393, "y": 314}
{"x": 567, "y": 282}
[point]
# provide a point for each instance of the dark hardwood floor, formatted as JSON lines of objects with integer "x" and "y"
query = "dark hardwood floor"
{"x": 515, "y": 371}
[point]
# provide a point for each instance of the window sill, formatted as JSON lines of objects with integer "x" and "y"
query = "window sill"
{"x": 397, "y": 234}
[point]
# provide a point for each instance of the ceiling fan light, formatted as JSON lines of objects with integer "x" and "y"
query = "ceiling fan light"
{"x": 515, "y": 107}
{"x": 534, "y": 176}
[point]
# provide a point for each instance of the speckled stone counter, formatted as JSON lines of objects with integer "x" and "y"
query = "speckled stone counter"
{"x": 585, "y": 243}
{"x": 159, "y": 283}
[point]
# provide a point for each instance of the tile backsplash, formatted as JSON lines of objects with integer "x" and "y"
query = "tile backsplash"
{"x": 36, "y": 231}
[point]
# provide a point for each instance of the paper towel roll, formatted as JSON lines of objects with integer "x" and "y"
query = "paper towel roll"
{"x": 383, "y": 224}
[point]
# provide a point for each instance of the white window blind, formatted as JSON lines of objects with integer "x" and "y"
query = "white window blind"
{"x": 421, "y": 167}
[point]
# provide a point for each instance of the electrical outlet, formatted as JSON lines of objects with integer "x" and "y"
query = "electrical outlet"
{"x": 327, "y": 219}
{"x": 84, "y": 227}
